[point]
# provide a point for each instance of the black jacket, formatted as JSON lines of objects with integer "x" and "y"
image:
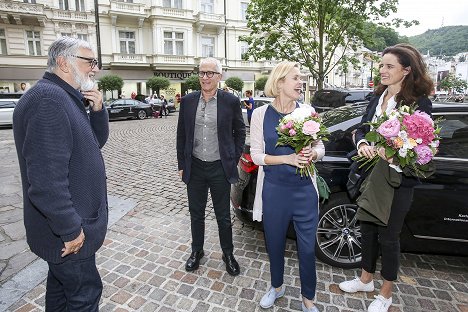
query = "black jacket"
{"x": 231, "y": 133}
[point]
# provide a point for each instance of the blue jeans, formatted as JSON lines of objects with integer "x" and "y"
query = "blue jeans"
{"x": 73, "y": 285}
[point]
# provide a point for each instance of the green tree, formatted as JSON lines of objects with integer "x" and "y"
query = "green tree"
{"x": 260, "y": 83}
{"x": 453, "y": 83}
{"x": 193, "y": 82}
{"x": 315, "y": 33}
{"x": 381, "y": 37}
{"x": 158, "y": 83}
{"x": 110, "y": 83}
{"x": 234, "y": 83}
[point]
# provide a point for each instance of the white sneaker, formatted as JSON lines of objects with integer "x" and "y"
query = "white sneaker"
{"x": 356, "y": 285}
{"x": 268, "y": 300}
{"x": 380, "y": 304}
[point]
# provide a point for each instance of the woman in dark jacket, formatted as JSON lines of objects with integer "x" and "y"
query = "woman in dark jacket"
{"x": 404, "y": 81}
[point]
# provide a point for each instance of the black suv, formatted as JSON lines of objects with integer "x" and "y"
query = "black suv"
{"x": 438, "y": 217}
{"x": 324, "y": 100}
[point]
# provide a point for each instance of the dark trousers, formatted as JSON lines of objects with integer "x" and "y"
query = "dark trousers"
{"x": 386, "y": 237}
{"x": 73, "y": 285}
{"x": 276, "y": 219}
{"x": 206, "y": 176}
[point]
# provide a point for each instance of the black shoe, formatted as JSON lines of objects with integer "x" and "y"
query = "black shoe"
{"x": 194, "y": 260}
{"x": 232, "y": 267}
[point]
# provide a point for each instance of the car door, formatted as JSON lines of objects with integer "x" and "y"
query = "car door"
{"x": 440, "y": 203}
{"x": 116, "y": 109}
{"x": 6, "y": 112}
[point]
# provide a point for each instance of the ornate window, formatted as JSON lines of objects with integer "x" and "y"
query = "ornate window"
{"x": 127, "y": 42}
{"x": 173, "y": 43}
{"x": 34, "y": 42}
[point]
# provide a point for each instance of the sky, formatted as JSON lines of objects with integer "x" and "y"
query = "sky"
{"x": 431, "y": 14}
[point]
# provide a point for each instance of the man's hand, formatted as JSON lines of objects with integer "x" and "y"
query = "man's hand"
{"x": 367, "y": 151}
{"x": 95, "y": 98}
{"x": 74, "y": 246}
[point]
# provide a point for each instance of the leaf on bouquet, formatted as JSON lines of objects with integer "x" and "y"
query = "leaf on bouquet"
{"x": 372, "y": 136}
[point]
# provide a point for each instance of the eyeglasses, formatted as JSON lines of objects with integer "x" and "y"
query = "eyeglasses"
{"x": 208, "y": 74}
{"x": 92, "y": 61}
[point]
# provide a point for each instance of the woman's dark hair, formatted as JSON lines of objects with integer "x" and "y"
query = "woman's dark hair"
{"x": 417, "y": 83}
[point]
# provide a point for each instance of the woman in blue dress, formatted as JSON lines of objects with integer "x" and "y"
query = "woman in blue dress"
{"x": 283, "y": 195}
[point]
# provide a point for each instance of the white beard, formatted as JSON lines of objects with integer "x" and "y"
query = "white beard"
{"x": 84, "y": 83}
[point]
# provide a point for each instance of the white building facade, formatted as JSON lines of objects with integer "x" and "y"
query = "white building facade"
{"x": 138, "y": 39}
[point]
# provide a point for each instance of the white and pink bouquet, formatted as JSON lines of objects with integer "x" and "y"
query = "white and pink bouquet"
{"x": 299, "y": 129}
{"x": 409, "y": 136}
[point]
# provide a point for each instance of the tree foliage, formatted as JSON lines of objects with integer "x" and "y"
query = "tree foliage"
{"x": 315, "y": 33}
{"x": 452, "y": 82}
{"x": 234, "y": 83}
{"x": 110, "y": 83}
{"x": 380, "y": 37}
{"x": 260, "y": 83}
{"x": 444, "y": 41}
{"x": 193, "y": 82}
{"x": 158, "y": 83}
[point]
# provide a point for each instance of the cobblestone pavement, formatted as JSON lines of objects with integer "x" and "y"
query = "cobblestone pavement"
{"x": 142, "y": 260}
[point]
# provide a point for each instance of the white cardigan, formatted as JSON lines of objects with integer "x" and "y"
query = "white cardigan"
{"x": 257, "y": 151}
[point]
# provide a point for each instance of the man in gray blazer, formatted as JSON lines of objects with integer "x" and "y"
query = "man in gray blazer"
{"x": 210, "y": 140}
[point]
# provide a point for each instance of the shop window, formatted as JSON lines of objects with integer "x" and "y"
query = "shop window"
{"x": 3, "y": 49}
{"x": 34, "y": 42}
{"x": 173, "y": 43}
{"x": 127, "y": 42}
{"x": 207, "y": 6}
{"x": 207, "y": 46}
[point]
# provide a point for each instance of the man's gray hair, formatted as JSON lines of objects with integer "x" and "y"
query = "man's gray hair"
{"x": 212, "y": 60}
{"x": 65, "y": 47}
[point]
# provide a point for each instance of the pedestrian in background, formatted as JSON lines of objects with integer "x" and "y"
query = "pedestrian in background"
{"x": 404, "y": 81}
{"x": 249, "y": 105}
{"x": 282, "y": 194}
{"x": 163, "y": 107}
{"x": 63, "y": 174}
{"x": 210, "y": 140}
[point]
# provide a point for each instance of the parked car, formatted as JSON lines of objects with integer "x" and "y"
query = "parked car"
{"x": 258, "y": 101}
{"x": 438, "y": 217}
{"x": 7, "y": 106}
{"x": 129, "y": 108}
{"x": 6, "y": 112}
{"x": 324, "y": 100}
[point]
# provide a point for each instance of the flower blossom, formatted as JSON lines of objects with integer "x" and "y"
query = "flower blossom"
{"x": 424, "y": 153}
{"x": 389, "y": 128}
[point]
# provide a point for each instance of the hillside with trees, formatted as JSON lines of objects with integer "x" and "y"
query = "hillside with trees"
{"x": 448, "y": 41}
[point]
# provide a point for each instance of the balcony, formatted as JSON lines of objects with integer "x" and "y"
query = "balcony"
{"x": 165, "y": 61}
{"x": 204, "y": 21}
{"x": 127, "y": 9}
{"x": 75, "y": 16}
{"x": 123, "y": 59}
{"x": 18, "y": 13}
{"x": 171, "y": 13}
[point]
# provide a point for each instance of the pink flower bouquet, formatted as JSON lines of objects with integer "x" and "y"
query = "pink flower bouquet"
{"x": 300, "y": 129}
{"x": 410, "y": 137}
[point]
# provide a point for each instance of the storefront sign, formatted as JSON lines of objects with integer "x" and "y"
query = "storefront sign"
{"x": 174, "y": 75}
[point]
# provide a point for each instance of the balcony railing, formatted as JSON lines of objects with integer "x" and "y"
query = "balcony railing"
{"x": 208, "y": 18}
{"x": 127, "y": 8}
{"x": 72, "y": 15}
{"x": 158, "y": 11}
{"x": 129, "y": 58}
{"x": 23, "y": 8}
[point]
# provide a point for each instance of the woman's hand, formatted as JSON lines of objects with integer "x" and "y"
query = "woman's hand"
{"x": 309, "y": 153}
{"x": 381, "y": 153}
{"x": 367, "y": 151}
{"x": 297, "y": 160}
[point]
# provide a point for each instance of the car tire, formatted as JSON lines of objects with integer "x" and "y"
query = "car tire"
{"x": 338, "y": 239}
{"x": 141, "y": 114}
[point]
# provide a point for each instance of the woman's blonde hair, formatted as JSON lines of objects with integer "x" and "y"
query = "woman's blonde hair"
{"x": 278, "y": 73}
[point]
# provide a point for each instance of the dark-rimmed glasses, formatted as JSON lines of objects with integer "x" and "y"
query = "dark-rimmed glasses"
{"x": 92, "y": 61}
{"x": 208, "y": 74}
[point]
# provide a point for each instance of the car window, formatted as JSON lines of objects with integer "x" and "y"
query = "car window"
{"x": 259, "y": 103}
{"x": 454, "y": 134}
{"x": 7, "y": 104}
